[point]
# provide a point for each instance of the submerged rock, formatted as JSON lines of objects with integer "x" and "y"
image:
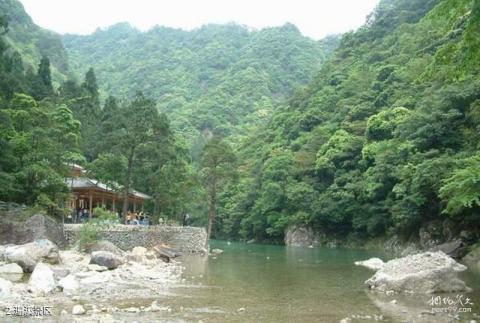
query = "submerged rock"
{"x": 217, "y": 251}
{"x": 42, "y": 280}
{"x": 106, "y": 259}
{"x": 28, "y": 255}
{"x": 428, "y": 272}
{"x": 166, "y": 253}
{"x": 372, "y": 263}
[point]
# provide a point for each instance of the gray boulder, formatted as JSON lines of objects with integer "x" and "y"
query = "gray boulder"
{"x": 28, "y": 255}
{"x": 103, "y": 245}
{"x": 428, "y": 272}
{"x": 455, "y": 249}
{"x": 44, "y": 227}
{"x": 372, "y": 263}
{"x": 37, "y": 227}
{"x": 106, "y": 259}
{"x": 42, "y": 280}
{"x": 301, "y": 236}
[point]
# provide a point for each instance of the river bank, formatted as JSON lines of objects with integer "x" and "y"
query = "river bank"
{"x": 245, "y": 283}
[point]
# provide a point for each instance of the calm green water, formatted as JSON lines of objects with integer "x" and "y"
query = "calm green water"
{"x": 288, "y": 284}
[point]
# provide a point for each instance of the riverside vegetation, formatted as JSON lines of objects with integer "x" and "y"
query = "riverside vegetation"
{"x": 368, "y": 134}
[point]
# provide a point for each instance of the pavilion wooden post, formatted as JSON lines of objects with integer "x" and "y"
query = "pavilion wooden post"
{"x": 114, "y": 209}
{"x": 134, "y": 205}
{"x": 103, "y": 200}
{"x": 142, "y": 206}
{"x": 90, "y": 202}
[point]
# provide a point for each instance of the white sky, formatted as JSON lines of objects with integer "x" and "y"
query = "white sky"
{"x": 314, "y": 18}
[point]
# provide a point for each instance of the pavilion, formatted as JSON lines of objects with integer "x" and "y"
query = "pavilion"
{"x": 89, "y": 193}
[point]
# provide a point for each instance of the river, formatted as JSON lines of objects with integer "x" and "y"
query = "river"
{"x": 265, "y": 283}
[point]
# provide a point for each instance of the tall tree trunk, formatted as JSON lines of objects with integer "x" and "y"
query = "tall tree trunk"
{"x": 212, "y": 212}
{"x": 126, "y": 185}
{"x": 155, "y": 206}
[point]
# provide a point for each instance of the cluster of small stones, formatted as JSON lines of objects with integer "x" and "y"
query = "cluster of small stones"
{"x": 185, "y": 239}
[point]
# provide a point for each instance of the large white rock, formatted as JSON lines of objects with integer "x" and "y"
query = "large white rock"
{"x": 138, "y": 254}
{"x": 11, "y": 269}
{"x": 42, "y": 280}
{"x": 372, "y": 263}
{"x": 11, "y": 272}
{"x": 28, "y": 255}
{"x": 69, "y": 283}
{"x": 428, "y": 272}
{"x": 5, "y": 288}
{"x": 78, "y": 310}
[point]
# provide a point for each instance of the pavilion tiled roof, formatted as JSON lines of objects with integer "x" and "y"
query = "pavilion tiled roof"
{"x": 84, "y": 183}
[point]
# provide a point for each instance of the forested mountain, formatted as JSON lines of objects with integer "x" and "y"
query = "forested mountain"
{"x": 33, "y": 42}
{"x": 383, "y": 140}
{"x": 220, "y": 78}
{"x": 373, "y": 135}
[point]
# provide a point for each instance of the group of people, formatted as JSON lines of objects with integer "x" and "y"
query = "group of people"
{"x": 82, "y": 215}
{"x": 135, "y": 218}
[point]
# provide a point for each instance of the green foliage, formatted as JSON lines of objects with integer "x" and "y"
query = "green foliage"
{"x": 217, "y": 163}
{"x": 380, "y": 138}
{"x": 461, "y": 191}
{"x": 104, "y": 216}
{"x": 88, "y": 234}
{"x": 38, "y": 142}
{"x": 32, "y": 42}
{"x": 373, "y": 142}
{"x": 219, "y": 78}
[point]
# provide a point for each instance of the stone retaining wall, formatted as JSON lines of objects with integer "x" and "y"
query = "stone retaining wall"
{"x": 186, "y": 239}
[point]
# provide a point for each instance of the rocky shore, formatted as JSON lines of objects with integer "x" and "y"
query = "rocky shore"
{"x": 75, "y": 286}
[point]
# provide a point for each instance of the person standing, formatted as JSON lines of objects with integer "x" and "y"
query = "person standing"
{"x": 186, "y": 217}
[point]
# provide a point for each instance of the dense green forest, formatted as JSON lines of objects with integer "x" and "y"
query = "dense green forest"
{"x": 384, "y": 139}
{"x": 32, "y": 42}
{"x": 223, "y": 79}
{"x": 370, "y": 134}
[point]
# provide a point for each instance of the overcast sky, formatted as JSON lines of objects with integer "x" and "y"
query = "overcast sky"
{"x": 314, "y": 18}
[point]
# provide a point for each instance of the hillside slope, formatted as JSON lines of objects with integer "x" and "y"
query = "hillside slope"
{"x": 217, "y": 78}
{"x": 382, "y": 141}
{"x": 32, "y": 41}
